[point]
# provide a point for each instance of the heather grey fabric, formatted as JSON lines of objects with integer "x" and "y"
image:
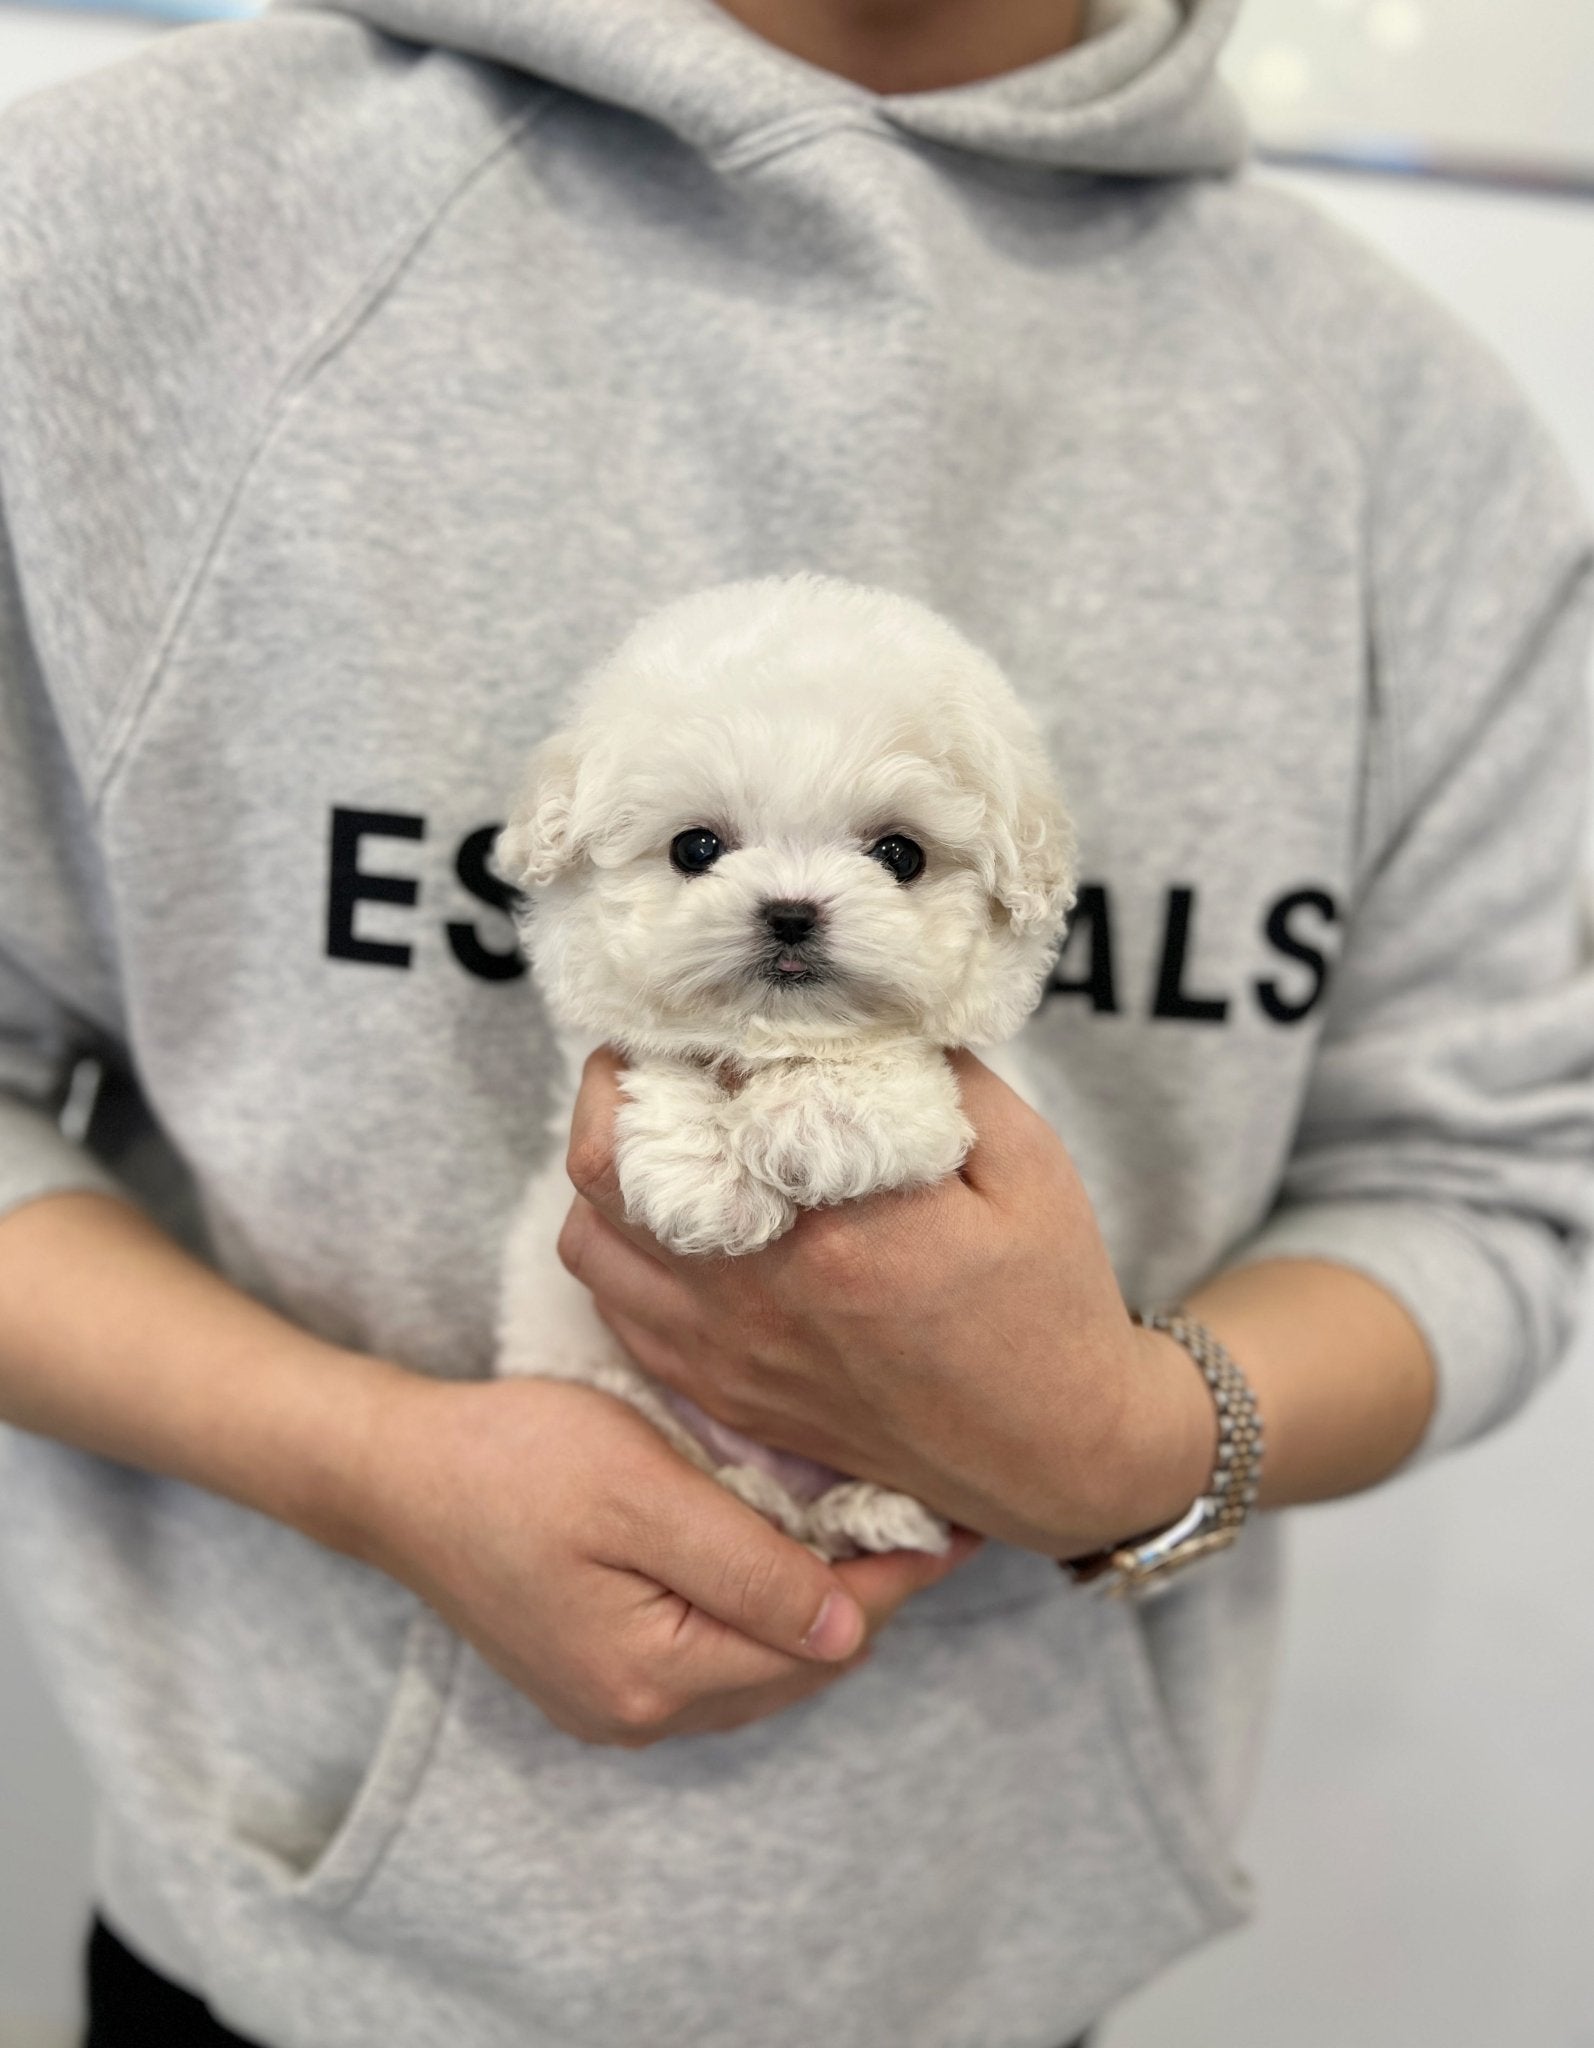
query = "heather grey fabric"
{"x": 356, "y": 389}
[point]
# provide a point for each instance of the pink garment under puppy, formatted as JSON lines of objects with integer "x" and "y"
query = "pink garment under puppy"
{"x": 803, "y": 1478}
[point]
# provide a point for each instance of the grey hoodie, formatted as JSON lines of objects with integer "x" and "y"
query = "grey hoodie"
{"x": 363, "y": 374}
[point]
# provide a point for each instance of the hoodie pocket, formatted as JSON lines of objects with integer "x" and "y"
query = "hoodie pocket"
{"x": 988, "y": 1825}
{"x": 1171, "y": 1800}
{"x": 427, "y": 1670}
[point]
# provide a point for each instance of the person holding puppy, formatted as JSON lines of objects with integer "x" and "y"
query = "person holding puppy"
{"x": 364, "y": 374}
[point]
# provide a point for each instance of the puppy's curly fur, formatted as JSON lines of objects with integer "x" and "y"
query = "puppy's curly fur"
{"x": 798, "y": 839}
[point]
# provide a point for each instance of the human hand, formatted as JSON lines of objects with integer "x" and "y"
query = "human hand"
{"x": 966, "y": 1343}
{"x": 620, "y": 1589}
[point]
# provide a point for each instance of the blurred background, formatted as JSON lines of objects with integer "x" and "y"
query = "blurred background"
{"x": 1423, "y": 1840}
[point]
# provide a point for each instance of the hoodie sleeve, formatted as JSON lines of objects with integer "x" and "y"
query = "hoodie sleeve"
{"x": 1446, "y": 1143}
{"x": 57, "y": 1001}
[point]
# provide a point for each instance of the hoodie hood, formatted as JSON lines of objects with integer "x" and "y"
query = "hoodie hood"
{"x": 1139, "y": 95}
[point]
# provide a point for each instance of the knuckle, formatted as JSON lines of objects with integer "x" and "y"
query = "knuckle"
{"x": 637, "y": 1708}
{"x": 589, "y": 1161}
{"x": 836, "y": 1254}
{"x": 1040, "y": 1151}
{"x": 599, "y": 1065}
{"x": 574, "y": 1239}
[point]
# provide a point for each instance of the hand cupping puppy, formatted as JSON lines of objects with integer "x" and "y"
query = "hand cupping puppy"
{"x": 798, "y": 841}
{"x": 966, "y": 1343}
{"x": 627, "y": 1595}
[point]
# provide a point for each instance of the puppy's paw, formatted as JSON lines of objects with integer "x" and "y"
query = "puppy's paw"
{"x": 823, "y": 1138}
{"x": 696, "y": 1199}
{"x": 679, "y": 1173}
{"x": 815, "y": 1148}
{"x": 870, "y": 1517}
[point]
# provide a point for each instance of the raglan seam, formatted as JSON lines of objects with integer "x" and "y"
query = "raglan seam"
{"x": 325, "y": 342}
{"x": 1385, "y": 788}
{"x": 1240, "y": 294}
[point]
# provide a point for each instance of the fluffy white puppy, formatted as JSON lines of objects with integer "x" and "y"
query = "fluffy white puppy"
{"x": 798, "y": 839}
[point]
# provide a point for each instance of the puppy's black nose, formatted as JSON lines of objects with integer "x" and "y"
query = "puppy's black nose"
{"x": 791, "y": 922}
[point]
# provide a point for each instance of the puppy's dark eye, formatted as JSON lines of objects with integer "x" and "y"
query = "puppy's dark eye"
{"x": 695, "y": 851}
{"x": 904, "y": 857}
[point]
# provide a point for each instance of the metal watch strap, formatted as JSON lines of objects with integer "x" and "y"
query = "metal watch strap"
{"x": 1145, "y": 1563}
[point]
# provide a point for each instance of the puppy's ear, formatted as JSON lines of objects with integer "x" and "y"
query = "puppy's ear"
{"x": 1035, "y": 853}
{"x": 541, "y": 841}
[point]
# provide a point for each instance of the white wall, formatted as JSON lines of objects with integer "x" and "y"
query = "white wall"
{"x": 38, "y": 46}
{"x": 1424, "y": 1839}
{"x": 1463, "y": 75}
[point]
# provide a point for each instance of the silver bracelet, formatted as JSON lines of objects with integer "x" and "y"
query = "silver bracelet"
{"x": 1145, "y": 1564}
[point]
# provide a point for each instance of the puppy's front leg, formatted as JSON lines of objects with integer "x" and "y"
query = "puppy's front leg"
{"x": 680, "y": 1173}
{"x": 823, "y": 1131}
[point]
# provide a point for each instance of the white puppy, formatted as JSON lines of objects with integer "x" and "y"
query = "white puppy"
{"x": 798, "y": 840}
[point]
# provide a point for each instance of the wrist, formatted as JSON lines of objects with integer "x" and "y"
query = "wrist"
{"x": 340, "y": 1463}
{"x": 1165, "y": 1444}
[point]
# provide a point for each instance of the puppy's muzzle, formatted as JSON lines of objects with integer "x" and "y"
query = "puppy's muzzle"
{"x": 793, "y": 957}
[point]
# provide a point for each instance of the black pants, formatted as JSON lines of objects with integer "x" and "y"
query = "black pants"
{"x": 131, "y": 2007}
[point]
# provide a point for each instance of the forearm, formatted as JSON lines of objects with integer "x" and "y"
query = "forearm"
{"x": 1341, "y": 1373}
{"x": 621, "y": 1590}
{"x": 114, "y": 1339}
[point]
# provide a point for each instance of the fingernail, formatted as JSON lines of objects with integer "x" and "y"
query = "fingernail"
{"x": 837, "y": 1629}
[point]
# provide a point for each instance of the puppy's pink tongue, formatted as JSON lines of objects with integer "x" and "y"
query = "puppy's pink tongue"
{"x": 788, "y": 963}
